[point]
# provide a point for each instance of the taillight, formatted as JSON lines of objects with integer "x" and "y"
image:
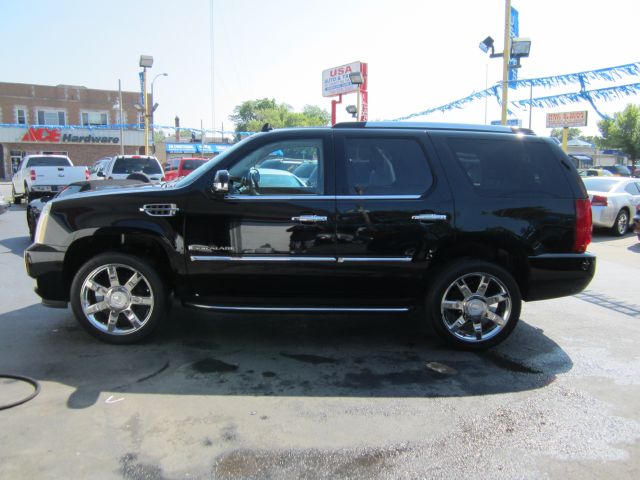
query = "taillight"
{"x": 583, "y": 225}
{"x": 32, "y": 174}
{"x": 599, "y": 201}
{"x": 86, "y": 174}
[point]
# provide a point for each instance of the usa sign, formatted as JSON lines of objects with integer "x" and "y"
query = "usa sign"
{"x": 336, "y": 81}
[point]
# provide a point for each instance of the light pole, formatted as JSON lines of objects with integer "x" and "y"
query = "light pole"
{"x": 146, "y": 61}
{"x": 153, "y": 141}
{"x": 513, "y": 48}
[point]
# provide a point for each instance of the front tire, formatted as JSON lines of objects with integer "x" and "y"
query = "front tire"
{"x": 473, "y": 304}
{"x": 118, "y": 298}
{"x": 621, "y": 225}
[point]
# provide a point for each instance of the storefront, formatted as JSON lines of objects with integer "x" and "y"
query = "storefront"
{"x": 83, "y": 145}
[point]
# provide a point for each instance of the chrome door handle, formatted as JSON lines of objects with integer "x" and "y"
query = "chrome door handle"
{"x": 309, "y": 219}
{"x": 429, "y": 217}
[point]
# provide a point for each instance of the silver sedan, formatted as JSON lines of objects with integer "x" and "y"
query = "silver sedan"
{"x": 613, "y": 201}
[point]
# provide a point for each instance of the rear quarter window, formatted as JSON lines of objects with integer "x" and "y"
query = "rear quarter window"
{"x": 512, "y": 168}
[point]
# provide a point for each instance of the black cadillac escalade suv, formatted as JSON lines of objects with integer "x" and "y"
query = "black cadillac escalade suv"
{"x": 461, "y": 221}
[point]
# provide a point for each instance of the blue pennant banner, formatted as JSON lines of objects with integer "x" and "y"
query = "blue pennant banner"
{"x": 606, "y": 94}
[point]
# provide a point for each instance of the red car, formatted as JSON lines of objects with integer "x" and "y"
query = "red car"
{"x": 181, "y": 167}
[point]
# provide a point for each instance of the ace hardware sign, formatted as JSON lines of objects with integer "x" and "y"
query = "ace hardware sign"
{"x": 55, "y": 135}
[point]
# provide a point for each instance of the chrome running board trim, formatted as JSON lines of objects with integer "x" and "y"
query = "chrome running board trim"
{"x": 296, "y": 309}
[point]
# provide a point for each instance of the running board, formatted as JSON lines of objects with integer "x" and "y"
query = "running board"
{"x": 228, "y": 308}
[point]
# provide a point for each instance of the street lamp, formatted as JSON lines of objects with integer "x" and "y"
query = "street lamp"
{"x": 357, "y": 79}
{"x": 153, "y": 142}
{"x": 513, "y": 48}
{"x": 146, "y": 61}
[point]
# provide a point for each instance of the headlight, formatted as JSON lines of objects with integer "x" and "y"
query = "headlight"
{"x": 41, "y": 228}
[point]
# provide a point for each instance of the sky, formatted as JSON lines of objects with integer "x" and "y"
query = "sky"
{"x": 420, "y": 53}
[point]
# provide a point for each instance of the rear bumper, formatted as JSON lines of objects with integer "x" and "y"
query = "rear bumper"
{"x": 46, "y": 265}
{"x": 559, "y": 275}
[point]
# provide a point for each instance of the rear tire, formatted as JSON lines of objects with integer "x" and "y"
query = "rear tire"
{"x": 621, "y": 225}
{"x": 118, "y": 298}
{"x": 17, "y": 199}
{"x": 473, "y": 304}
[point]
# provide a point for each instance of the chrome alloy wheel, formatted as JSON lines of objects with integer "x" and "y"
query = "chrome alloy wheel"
{"x": 622, "y": 223}
{"x": 476, "y": 307}
{"x": 116, "y": 299}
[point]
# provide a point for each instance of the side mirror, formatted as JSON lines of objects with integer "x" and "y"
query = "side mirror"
{"x": 221, "y": 182}
{"x": 100, "y": 174}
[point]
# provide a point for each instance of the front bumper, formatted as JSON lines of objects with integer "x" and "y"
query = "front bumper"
{"x": 46, "y": 265}
{"x": 559, "y": 275}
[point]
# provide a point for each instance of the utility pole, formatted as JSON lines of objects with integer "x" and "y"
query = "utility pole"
{"x": 505, "y": 59}
{"x": 120, "y": 121}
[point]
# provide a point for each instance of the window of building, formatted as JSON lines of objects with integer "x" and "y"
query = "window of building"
{"x": 386, "y": 166}
{"x": 140, "y": 120}
{"x": 51, "y": 117}
{"x": 94, "y": 119}
{"x": 21, "y": 116}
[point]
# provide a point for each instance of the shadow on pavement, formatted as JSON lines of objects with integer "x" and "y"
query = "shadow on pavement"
{"x": 16, "y": 245}
{"x": 271, "y": 355}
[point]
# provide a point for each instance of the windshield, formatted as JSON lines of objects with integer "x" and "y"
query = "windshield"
{"x": 600, "y": 184}
{"x": 48, "y": 162}
{"x": 210, "y": 165}
{"x": 133, "y": 165}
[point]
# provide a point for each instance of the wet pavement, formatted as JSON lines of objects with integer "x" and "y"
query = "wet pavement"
{"x": 287, "y": 396}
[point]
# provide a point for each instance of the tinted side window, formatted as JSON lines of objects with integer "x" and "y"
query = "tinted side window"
{"x": 386, "y": 166}
{"x": 268, "y": 170}
{"x": 509, "y": 167}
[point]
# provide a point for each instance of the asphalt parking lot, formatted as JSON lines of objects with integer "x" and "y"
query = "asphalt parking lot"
{"x": 324, "y": 397}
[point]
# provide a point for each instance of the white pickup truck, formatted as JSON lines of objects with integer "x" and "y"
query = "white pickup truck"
{"x": 40, "y": 175}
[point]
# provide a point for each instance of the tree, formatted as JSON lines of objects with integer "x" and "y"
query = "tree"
{"x": 251, "y": 115}
{"x": 573, "y": 133}
{"x": 623, "y": 131}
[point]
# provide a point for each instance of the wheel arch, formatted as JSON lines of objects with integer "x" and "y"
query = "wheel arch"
{"x": 148, "y": 245}
{"x": 513, "y": 260}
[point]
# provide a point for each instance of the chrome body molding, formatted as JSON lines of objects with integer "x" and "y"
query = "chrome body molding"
{"x": 231, "y": 308}
{"x": 227, "y": 258}
{"x": 374, "y": 259}
{"x": 321, "y": 197}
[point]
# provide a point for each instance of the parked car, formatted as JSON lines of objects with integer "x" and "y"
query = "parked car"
{"x": 613, "y": 201}
{"x": 4, "y": 204}
{"x": 134, "y": 167}
{"x": 618, "y": 170}
{"x": 35, "y": 206}
{"x": 40, "y": 175}
{"x": 636, "y": 222}
{"x": 181, "y": 167}
{"x": 595, "y": 172}
{"x": 461, "y": 222}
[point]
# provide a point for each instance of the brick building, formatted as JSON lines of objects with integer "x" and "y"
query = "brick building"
{"x": 66, "y": 119}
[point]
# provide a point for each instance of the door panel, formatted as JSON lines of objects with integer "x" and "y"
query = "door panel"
{"x": 394, "y": 208}
{"x": 271, "y": 240}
